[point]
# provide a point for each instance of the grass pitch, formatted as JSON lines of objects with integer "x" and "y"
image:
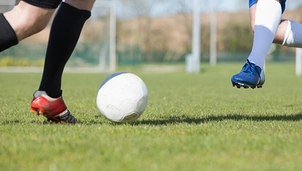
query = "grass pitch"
{"x": 192, "y": 122}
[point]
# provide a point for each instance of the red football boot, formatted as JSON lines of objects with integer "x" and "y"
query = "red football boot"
{"x": 53, "y": 109}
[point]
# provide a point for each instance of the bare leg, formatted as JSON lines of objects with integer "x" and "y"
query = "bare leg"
{"x": 27, "y": 19}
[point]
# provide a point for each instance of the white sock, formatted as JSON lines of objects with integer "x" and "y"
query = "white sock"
{"x": 293, "y": 35}
{"x": 267, "y": 19}
{"x": 44, "y": 94}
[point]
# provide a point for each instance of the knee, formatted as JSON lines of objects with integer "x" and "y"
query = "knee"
{"x": 253, "y": 28}
{"x": 252, "y": 25}
{"x": 27, "y": 26}
{"x": 27, "y": 20}
{"x": 34, "y": 25}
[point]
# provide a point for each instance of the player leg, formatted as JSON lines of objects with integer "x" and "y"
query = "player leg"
{"x": 65, "y": 32}
{"x": 289, "y": 32}
{"x": 21, "y": 22}
{"x": 266, "y": 21}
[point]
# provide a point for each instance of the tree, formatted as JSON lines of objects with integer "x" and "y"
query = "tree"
{"x": 142, "y": 9}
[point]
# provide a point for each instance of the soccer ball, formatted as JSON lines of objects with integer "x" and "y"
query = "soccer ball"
{"x": 122, "y": 97}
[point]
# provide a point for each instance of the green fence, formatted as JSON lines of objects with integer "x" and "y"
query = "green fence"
{"x": 88, "y": 54}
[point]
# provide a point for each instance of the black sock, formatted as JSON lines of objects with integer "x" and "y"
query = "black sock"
{"x": 65, "y": 32}
{"x": 8, "y": 36}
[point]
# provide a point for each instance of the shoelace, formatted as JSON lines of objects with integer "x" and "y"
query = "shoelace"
{"x": 249, "y": 68}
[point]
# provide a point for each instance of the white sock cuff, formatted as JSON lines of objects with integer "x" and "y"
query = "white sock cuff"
{"x": 293, "y": 34}
{"x": 44, "y": 94}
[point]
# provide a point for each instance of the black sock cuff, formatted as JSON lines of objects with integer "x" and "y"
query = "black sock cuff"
{"x": 75, "y": 12}
{"x": 8, "y": 36}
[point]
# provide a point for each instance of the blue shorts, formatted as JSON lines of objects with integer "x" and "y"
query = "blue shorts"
{"x": 253, "y": 2}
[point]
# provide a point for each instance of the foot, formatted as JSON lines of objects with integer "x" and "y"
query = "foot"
{"x": 53, "y": 109}
{"x": 251, "y": 76}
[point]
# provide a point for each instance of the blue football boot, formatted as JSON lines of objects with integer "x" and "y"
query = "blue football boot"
{"x": 251, "y": 75}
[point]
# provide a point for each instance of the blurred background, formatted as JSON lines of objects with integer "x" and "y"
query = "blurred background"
{"x": 135, "y": 33}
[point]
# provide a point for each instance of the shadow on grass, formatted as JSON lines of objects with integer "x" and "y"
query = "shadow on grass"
{"x": 235, "y": 117}
{"x": 180, "y": 119}
{"x": 19, "y": 122}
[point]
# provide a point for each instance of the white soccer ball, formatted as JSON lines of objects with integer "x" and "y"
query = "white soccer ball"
{"x": 122, "y": 97}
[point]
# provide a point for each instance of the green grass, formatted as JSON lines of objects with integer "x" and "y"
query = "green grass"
{"x": 192, "y": 122}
